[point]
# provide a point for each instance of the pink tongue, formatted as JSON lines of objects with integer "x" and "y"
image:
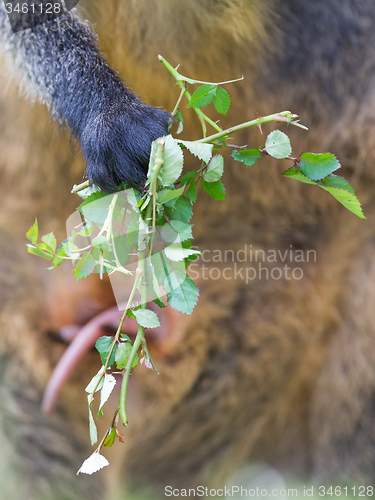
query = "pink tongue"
{"x": 82, "y": 339}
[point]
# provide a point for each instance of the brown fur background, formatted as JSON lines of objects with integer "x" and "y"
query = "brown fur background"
{"x": 280, "y": 371}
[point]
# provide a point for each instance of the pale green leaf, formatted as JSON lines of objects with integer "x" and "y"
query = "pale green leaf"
{"x": 92, "y": 464}
{"x": 95, "y": 207}
{"x": 122, "y": 355}
{"x": 278, "y": 145}
{"x": 177, "y": 253}
{"x": 32, "y": 233}
{"x": 85, "y": 266}
{"x": 176, "y": 231}
{"x": 41, "y": 250}
{"x": 93, "y": 382}
{"x": 182, "y": 292}
{"x": 108, "y": 386}
{"x": 173, "y": 162}
{"x": 101, "y": 242}
{"x": 201, "y": 151}
{"x": 215, "y": 169}
{"x": 180, "y": 127}
{"x": 147, "y": 318}
{"x": 50, "y": 240}
{"x": 92, "y": 426}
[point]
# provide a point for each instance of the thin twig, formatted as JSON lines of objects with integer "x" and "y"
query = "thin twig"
{"x": 284, "y": 116}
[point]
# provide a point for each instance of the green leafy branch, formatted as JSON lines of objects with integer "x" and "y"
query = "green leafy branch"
{"x": 147, "y": 237}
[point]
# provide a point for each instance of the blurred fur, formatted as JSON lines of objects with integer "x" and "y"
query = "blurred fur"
{"x": 282, "y": 371}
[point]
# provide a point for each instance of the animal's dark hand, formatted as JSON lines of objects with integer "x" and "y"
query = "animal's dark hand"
{"x": 116, "y": 142}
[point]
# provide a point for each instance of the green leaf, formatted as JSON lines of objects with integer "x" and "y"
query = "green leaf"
{"x": 189, "y": 245}
{"x": 123, "y": 247}
{"x": 177, "y": 253}
{"x": 345, "y": 195}
{"x": 349, "y": 200}
{"x": 295, "y": 173}
{"x": 94, "y": 381}
{"x": 316, "y": 166}
{"x": 132, "y": 231}
{"x": 187, "y": 178}
{"x": 278, "y": 145}
{"x": 215, "y": 189}
{"x": 85, "y": 266}
{"x": 192, "y": 192}
{"x": 110, "y": 439}
{"x": 162, "y": 266}
{"x": 182, "y": 292}
{"x": 40, "y": 250}
{"x": 58, "y": 258}
{"x": 147, "y": 318}
{"x": 176, "y": 231}
{"x": 142, "y": 235}
{"x": 50, "y": 240}
{"x": 150, "y": 278}
{"x": 86, "y": 230}
{"x": 159, "y": 303}
{"x": 101, "y": 242}
{"x": 180, "y": 127}
{"x": 215, "y": 169}
{"x": 201, "y": 151}
{"x": 203, "y": 96}
{"x": 247, "y": 156}
{"x": 32, "y": 233}
{"x": 122, "y": 355}
{"x": 133, "y": 197}
{"x": 95, "y": 207}
{"x": 173, "y": 162}
{"x": 86, "y": 192}
{"x": 222, "y": 101}
{"x": 71, "y": 250}
{"x": 92, "y": 426}
{"x": 108, "y": 386}
{"x": 182, "y": 210}
{"x": 166, "y": 195}
{"x": 336, "y": 182}
{"x": 144, "y": 202}
{"x": 103, "y": 346}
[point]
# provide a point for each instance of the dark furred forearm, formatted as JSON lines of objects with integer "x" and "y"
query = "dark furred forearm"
{"x": 62, "y": 64}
